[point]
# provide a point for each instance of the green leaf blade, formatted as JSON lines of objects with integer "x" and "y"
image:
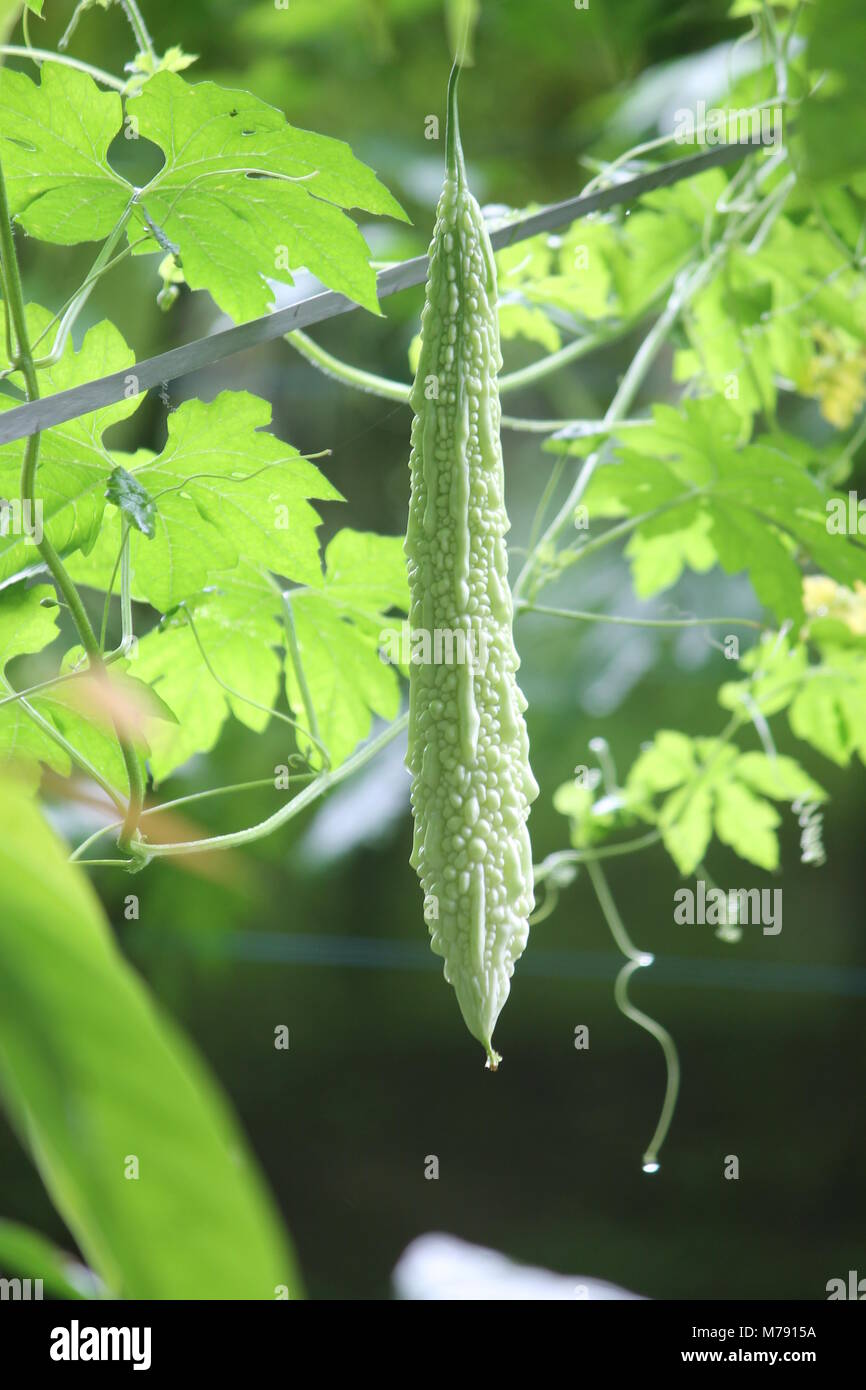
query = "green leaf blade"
{"x": 94, "y": 1076}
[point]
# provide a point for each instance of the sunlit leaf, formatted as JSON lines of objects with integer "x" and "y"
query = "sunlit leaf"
{"x": 130, "y": 1135}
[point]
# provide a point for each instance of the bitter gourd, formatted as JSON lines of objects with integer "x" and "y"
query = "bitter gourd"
{"x": 472, "y": 784}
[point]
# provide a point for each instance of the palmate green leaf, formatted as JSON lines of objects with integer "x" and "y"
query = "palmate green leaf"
{"x": 662, "y": 237}
{"x": 93, "y": 1075}
{"x": 366, "y": 573}
{"x": 580, "y": 281}
{"x": 655, "y": 249}
{"x": 244, "y": 196}
{"x": 235, "y": 233}
{"x": 825, "y": 700}
{"x": 658, "y": 561}
{"x": 346, "y": 679}
{"x": 700, "y": 436}
{"x": 781, "y": 778}
{"x": 246, "y": 484}
{"x": 74, "y": 464}
{"x": 748, "y": 824}
{"x": 339, "y": 629}
{"x": 527, "y": 261}
{"x": 708, "y": 787}
{"x": 235, "y": 229}
{"x": 756, "y": 509}
{"x": 223, "y": 488}
{"x": 744, "y": 542}
{"x": 813, "y": 282}
{"x": 687, "y": 827}
{"x": 531, "y": 324}
{"x": 54, "y": 139}
{"x": 728, "y": 353}
{"x": 28, "y": 621}
{"x": 829, "y": 710}
{"x": 238, "y": 625}
{"x": 175, "y": 564}
{"x": 239, "y": 622}
{"x": 693, "y": 523}
{"x": 693, "y": 199}
{"x": 777, "y": 666}
{"x": 634, "y": 485}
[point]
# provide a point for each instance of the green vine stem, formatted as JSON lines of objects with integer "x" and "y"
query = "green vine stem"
{"x": 554, "y": 478}
{"x": 127, "y": 635}
{"x": 25, "y": 26}
{"x": 562, "y": 357}
{"x": 384, "y": 387}
{"x": 294, "y": 654}
{"x": 139, "y": 28}
{"x": 570, "y": 555}
{"x": 24, "y": 361}
{"x": 344, "y": 372}
{"x": 45, "y": 55}
{"x": 580, "y": 615}
{"x": 100, "y": 265}
{"x": 582, "y": 856}
{"x": 87, "y": 284}
{"x": 232, "y": 788}
{"x": 17, "y": 695}
{"x": 239, "y": 838}
{"x": 106, "y": 607}
{"x": 638, "y": 960}
{"x": 661, "y": 141}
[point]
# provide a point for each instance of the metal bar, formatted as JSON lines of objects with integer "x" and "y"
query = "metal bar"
{"x": 24, "y": 420}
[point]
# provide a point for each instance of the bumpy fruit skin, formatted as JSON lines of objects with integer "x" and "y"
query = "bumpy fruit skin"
{"x": 468, "y": 748}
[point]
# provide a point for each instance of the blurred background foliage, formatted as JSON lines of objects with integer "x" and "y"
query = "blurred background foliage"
{"x": 320, "y": 928}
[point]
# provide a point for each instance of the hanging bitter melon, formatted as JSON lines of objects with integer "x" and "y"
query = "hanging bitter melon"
{"x": 472, "y": 784}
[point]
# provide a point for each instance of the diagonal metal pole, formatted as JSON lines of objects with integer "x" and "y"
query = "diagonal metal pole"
{"x": 23, "y": 420}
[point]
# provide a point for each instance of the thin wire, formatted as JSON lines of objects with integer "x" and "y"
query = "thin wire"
{"x": 321, "y": 949}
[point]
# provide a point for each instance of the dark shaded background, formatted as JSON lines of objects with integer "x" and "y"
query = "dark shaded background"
{"x": 320, "y": 928}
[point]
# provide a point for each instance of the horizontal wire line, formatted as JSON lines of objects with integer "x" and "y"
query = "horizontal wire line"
{"x": 24, "y": 420}
{"x": 381, "y": 953}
